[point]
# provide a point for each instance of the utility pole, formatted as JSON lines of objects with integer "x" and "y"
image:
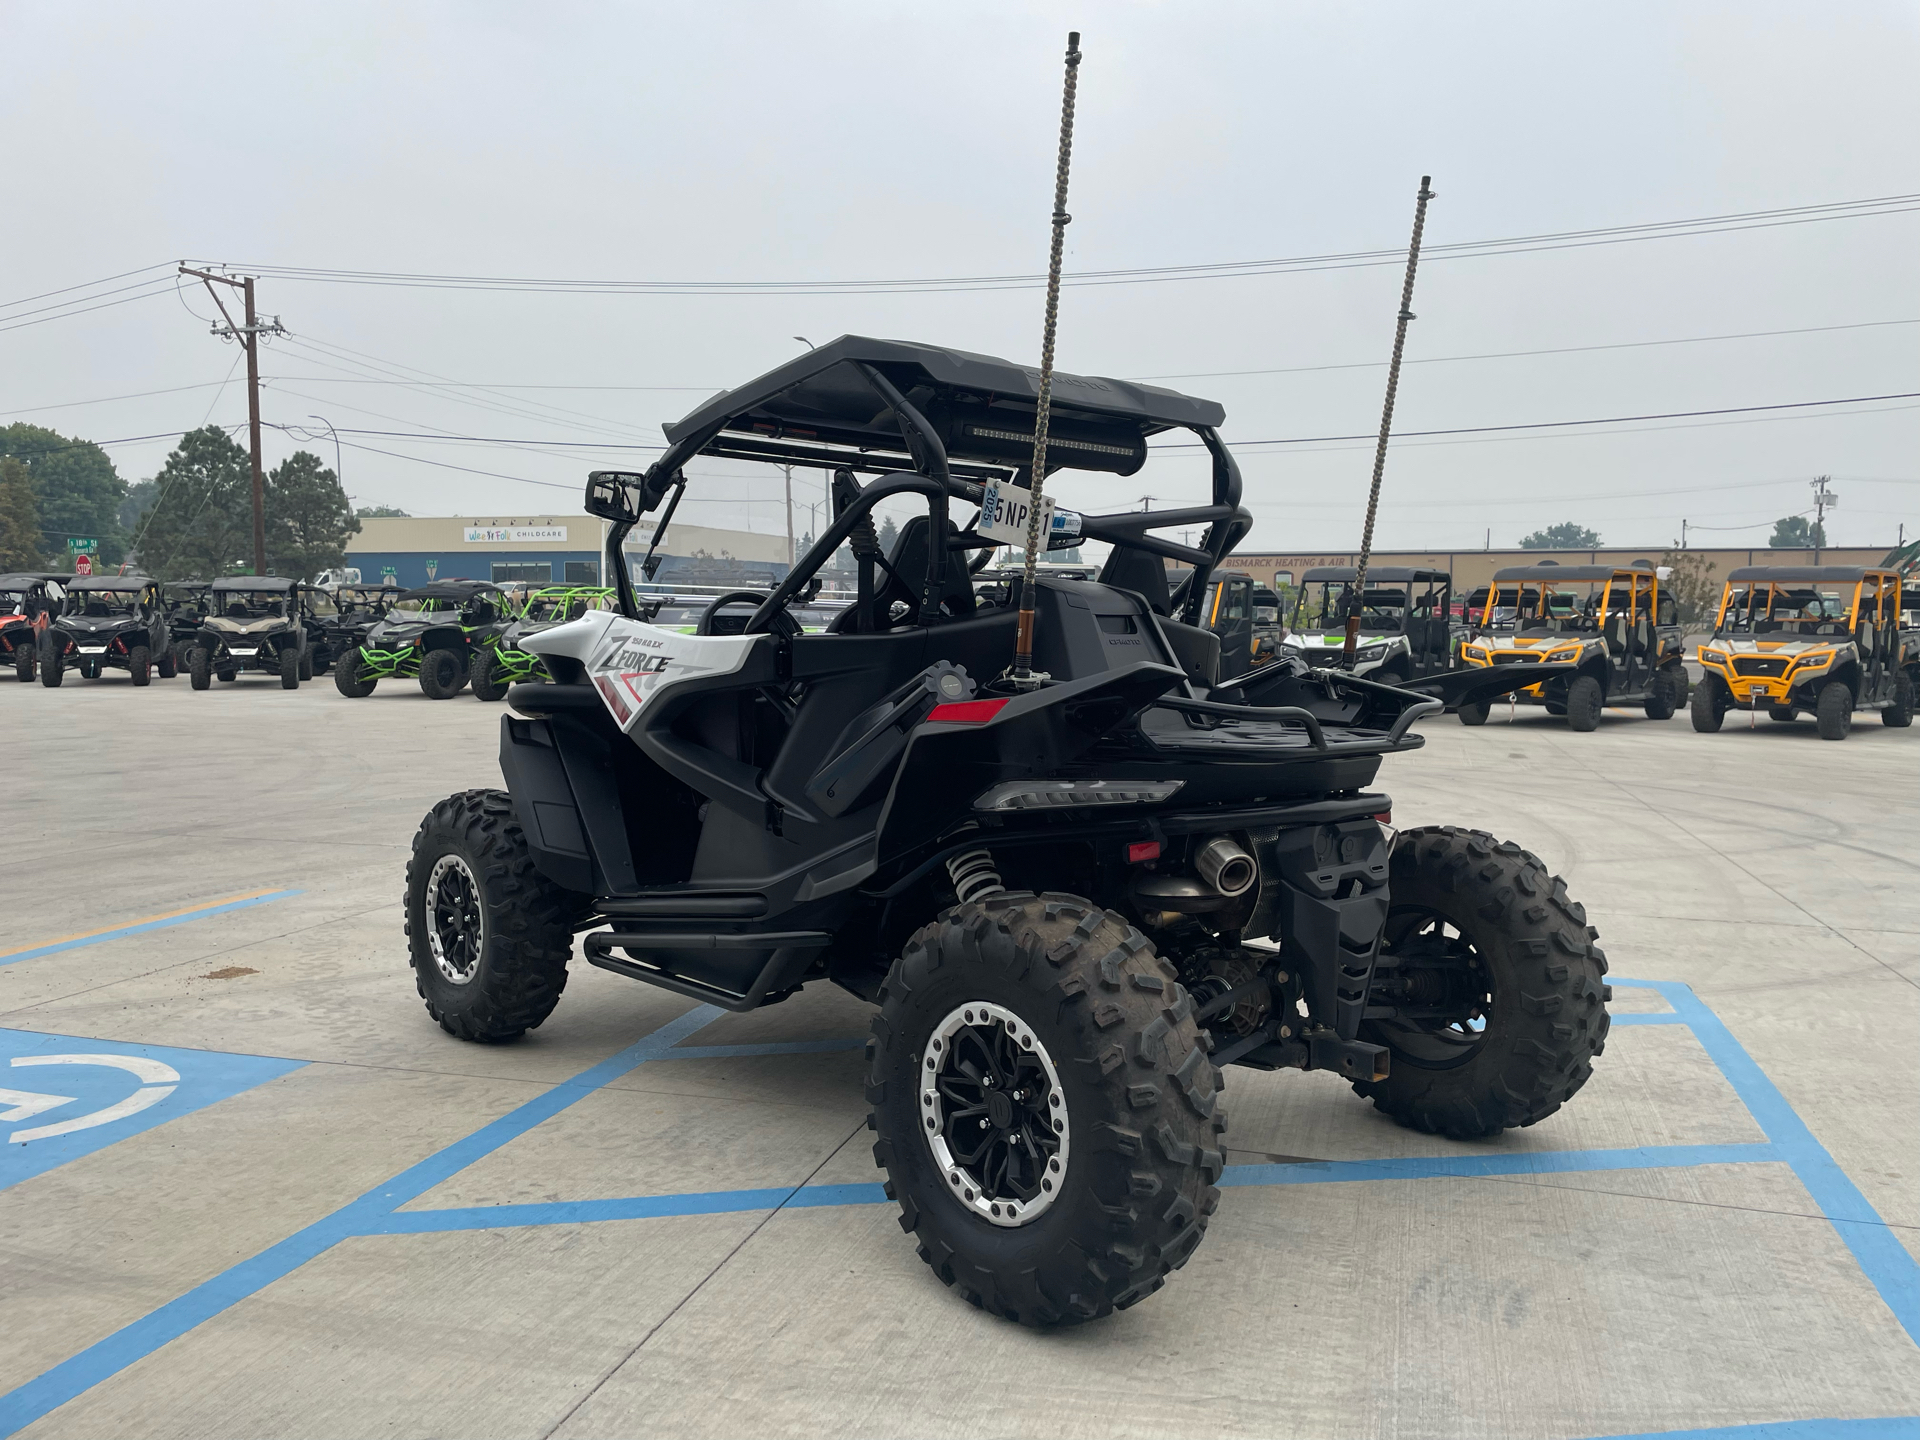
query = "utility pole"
{"x": 249, "y": 334}
{"x": 1823, "y": 501}
{"x": 1683, "y": 534}
{"x": 790, "y": 555}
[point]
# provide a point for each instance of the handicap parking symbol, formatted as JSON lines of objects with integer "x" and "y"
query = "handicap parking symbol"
{"x": 64, "y": 1096}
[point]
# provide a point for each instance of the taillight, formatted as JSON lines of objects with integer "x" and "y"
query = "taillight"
{"x": 966, "y": 712}
{"x": 1141, "y": 851}
{"x": 616, "y": 702}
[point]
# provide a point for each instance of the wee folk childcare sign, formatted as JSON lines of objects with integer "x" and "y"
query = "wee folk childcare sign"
{"x": 514, "y": 534}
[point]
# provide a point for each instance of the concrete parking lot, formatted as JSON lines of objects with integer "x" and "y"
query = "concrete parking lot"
{"x": 309, "y": 1212}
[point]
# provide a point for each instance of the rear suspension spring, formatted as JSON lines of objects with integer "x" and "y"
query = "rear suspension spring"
{"x": 973, "y": 876}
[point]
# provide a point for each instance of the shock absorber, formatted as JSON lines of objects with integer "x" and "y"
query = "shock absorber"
{"x": 973, "y": 876}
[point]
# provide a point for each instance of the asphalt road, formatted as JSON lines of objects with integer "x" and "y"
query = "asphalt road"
{"x": 304, "y": 1235}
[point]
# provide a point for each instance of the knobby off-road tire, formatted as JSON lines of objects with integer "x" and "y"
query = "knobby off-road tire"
{"x": 1473, "y": 712}
{"x": 289, "y": 669}
{"x": 442, "y": 673}
{"x": 306, "y": 665}
{"x": 90, "y": 669}
{"x": 25, "y": 653}
{"x": 1711, "y": 701}
{"x": 1782, "y": 714}
{"x": 1663, "y": 696}
{"x": 485, "y": 684}
{"x": 1141, "y": 1103}
{"x": 1540, "y": 978}
{"x": 488, "y": 935}
{"x": 199, "y": 669}
{"x": 1834, "y": 710}
{"x": 140, "y": 665}
{"x": 51, "y": 666}
{"x": 346, "y": 677}
{"x": 168, "y": 665}
{"x": 1899, "y": 711}
{"x": 227, "y": 674}
{"x": 1585, "y": 701}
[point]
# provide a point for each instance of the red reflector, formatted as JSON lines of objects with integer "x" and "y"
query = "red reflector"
{"x": 966, "y": 712}
{"x": 1143, "y": 850}
{"x": 1385, "y": 817}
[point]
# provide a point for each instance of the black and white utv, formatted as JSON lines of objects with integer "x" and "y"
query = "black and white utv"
{"x": 254, "y": 622}
{"x": 1071, "y": 904}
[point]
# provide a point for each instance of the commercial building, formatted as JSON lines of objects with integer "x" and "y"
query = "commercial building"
{"x": 1471, "y": 568}
{"x": 553, "y": 550}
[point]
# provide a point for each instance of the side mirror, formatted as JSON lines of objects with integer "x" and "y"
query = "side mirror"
{"x": 615, "y": 495}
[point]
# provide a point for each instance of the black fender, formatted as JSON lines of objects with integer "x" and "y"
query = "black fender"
{"x": 560, "y": 774}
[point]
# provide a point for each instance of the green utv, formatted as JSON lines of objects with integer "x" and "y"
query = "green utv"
{"x": 503, "y": 662}
{"x": 431, "y": 633}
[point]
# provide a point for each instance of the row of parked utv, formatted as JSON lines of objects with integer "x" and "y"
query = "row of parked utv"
{"x": 446, "y": 635}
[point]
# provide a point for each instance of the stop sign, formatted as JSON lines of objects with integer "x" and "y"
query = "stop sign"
{"x": 83, "y": 564}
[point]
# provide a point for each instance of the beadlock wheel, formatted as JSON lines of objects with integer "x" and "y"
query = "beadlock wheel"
{"x": 994, "y": 1114}
{"x": 456, "y": 931}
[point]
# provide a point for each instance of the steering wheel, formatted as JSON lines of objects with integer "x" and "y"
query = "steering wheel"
{"x": 781, "y": 624}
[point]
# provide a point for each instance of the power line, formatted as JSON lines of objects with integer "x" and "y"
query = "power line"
{"x": 87, "y": 309}
{"x": 1523, "y": 354}
{"x": 1509, "y": 245}
{"x": 89, "y": 285}
{"x": 1558, "y": 424}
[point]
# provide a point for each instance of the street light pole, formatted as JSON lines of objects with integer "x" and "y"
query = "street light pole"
{"x": 339, "y": 471}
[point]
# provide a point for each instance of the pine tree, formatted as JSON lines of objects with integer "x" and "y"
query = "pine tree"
{"x": 19, "y": 519}
{"x": 308, "y": 517}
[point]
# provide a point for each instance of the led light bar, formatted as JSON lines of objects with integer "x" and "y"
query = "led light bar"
{"x": 1075, "y": 794}
{"x": 1054, "y": 442}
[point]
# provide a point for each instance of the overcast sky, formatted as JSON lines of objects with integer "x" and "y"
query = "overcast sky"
{"x": 820, "y": 141}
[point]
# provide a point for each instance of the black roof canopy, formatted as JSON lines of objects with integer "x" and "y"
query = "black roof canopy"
{"x": 253, "y": 585}
{"x": 1807, "y": 574}
{"x": 459, "y": 591}
{"x": 1386, "y": 574}
{"x": 1578, "y": 574}
{"x": 110, "y": 582}
{"x": 982, "y": 407}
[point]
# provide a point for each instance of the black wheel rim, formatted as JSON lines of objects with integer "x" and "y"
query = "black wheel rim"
{"x": 994, "y": 1113}
{"x": 1442, "y": 986}
{"x": 456, "y": 927}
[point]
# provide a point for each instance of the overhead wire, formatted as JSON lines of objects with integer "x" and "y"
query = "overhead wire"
{"x": 1509, "y": 245}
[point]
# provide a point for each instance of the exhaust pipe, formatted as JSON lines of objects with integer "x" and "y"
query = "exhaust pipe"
{"x": 1226, "y": 867}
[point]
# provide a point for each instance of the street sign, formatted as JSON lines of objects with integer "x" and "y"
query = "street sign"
{"x": 83, "y": 564}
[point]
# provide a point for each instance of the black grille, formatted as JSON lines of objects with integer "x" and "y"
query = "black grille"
{"x": 1759, "y": 665}
{"x": 1518, "y": 657}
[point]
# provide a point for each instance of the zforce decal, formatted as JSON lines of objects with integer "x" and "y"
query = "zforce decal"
{"x": 639, "y": 662}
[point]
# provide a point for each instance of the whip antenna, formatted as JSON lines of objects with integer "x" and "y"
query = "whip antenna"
{"x": 1023, "y": 675}
{"x": 1357, "y": 600}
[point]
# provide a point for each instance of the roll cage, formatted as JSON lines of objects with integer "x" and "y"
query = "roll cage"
{"x": 1395, "y": 595}
{"x": 941, "y": 424}
{"x": 1806, "y": 601}
{"x": 1573, "y": 599}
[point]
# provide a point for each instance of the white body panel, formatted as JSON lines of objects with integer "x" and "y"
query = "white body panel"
{"x": 631, "y": 663}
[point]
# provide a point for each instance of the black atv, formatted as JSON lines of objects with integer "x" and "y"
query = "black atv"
{"x": 254, "y": 622}
{"x": 186, "y": 613}
{"x": 1072, "y": 904}
{"x": 342, "y": 616}
{"x": 28, "y": 603}
{"x": 431, "y": 633}
{"x": 108, "y": 622}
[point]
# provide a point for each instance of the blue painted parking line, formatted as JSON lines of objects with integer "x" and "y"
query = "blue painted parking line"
{"x": 1896, "y": 1427}
{"x": 62, "y": 1096}
{"x": 141, "y": 927}
{"x": 1663, "y": 1017}
{"x": 378, "y": 1213}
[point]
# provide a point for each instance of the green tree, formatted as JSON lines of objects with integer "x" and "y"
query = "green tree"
{"x": 308, "y": 517}
{"x": 20, "y": 544}
{"x": 1562, "y": 537}
{"x": 140, "y": 497}
{"x": 1696, "y": 594}
{"x": 380, "y": 512}
{"x": 1794, "y": 532}
{"x": 75, "y": 489}
{"x": 201, "y": 521}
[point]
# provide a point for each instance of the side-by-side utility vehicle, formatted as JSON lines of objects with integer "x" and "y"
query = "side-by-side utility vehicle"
{"x": 1072, "y": 901}
{"x": 505, "y": 662}
{"x": 1612, "y": 636}
{"x": 1817, "y": 640}
{"x": 432, "y": 633}
{"x": 28, "y": 603}
{"x": 341, "y": 617}
{"x": 108, "y": 622}
{"x": 254, "y": 623}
